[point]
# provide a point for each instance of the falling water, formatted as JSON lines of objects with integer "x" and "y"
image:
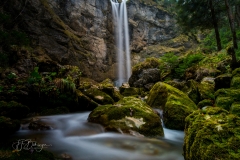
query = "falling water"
{"x": 119, "y": 11}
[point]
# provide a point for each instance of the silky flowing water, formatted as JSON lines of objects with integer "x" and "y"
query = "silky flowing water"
{"x": 120, "y": 19}
{"x": 72, "y": 135}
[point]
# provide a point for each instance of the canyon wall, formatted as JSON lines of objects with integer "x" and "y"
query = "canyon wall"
{"x": 81, "y": 32}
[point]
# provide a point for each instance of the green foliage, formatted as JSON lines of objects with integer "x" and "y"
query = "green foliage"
{"x": 65, "y": 84}
{"x": 209, "y": 42}
{"x": 170, "y": 60}
{"x": 35, "y": 77}
{"x": 12, "y": 89}
{"x": 11, "y": 76}
{"x": 187, "y": 62}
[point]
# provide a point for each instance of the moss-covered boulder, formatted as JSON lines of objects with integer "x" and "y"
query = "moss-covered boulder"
{"x": 206, "y": 88}
{"x": 129, "y": 115}
{"x": 98, "y": 96}
{"x": 191, "y": 89}
{"x": 108, "y": 87}
{"x": 85, "y": 103}
{"x": 145, "y": 73}
{"x": 205, "y": 103}
{"x": 235, "y": 108}
{"x": 13, "y": 109}
{"x": 8, "y": 126}
{"x": 175, "y": 104}
{"x": 212, "y": 134}
{"x": 236, "y": 72}
{"x": 225, "y": 97}
{"x": 235, "y": 82}
{"x": 126, "y": 90}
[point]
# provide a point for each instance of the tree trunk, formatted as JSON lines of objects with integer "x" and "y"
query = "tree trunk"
{"x": 237, "y": 15}
{"x": 232, "y": 25}
{"x": 215, "y": 24}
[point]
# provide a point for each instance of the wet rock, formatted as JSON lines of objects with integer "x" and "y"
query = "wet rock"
{"x": 175, "y": 104}
{"x": 38, "y": 125}
{"x": 128, "y": 115}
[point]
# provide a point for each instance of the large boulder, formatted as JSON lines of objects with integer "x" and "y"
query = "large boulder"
{"x": 235, "y": 82}
{"x": 108, "y": 87}
{"x": 145, "y": 73}
{"x": 212, "y": 134}
{"x": 191, "y": 89}
{"x": 129, "y": 115}
{"x": 175, "y": 104}
{"x": 225, "y": 97}
{"x": 98, "y": 96}
{"x": 206, "y": 88}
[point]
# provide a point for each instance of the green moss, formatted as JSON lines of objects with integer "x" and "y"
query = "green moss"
{"x": 98, "y": 96}
{"x": 236, "y": 72}
{"x": 148, "y": 63}
{"x": 128, "y": 114}
{"x": 235, "y": 83}
{"x": 108, "y": 87}
{"x": 224, "y": 102}
{"x": 204, "y": 103}
{"x": 175, "y": 104}
{"x": 131, "y": 91}
{"x": 206, "y": 90}
{"x": 225, "y": 97}
{"x": 212, "y": 134}
{"x": 235, "y": 108}
{"x": 191, "y": 89}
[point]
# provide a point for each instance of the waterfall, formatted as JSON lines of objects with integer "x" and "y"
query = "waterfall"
{"x": 119, "y": 11}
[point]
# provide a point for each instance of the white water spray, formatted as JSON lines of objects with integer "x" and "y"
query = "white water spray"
{"x": 119, "y": 11}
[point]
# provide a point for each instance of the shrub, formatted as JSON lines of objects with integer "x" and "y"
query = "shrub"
{"x": 187, "y": 62}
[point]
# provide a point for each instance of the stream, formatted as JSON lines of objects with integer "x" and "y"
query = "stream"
{"x": 72, "y": 135}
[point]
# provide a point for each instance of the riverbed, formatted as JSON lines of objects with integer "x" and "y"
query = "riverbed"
{"x": 71, "y": 135}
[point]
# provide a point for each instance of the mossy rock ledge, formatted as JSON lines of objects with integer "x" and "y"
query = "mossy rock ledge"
{"x": 175, "y": 104}
{"x": 129, "y": 115}
{"x": 212, "y": 134}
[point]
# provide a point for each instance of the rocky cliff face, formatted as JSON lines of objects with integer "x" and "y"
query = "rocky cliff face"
{"x": 81, "y": 32}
